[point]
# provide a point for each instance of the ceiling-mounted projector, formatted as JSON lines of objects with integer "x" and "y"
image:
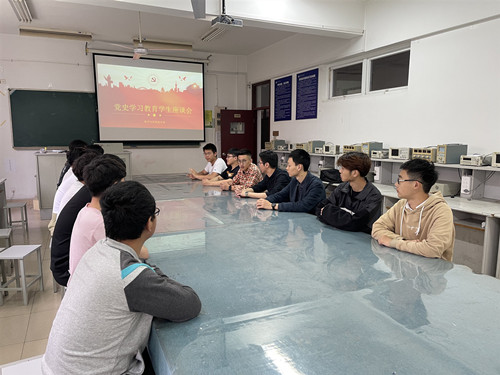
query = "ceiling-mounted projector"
{"x": 225, "y": 20}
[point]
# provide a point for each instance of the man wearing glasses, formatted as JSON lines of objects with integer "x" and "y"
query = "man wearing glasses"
{"x": 248, "y": 175}
{"x": 230, "y": 172}
{"x": 104, "y": 320}
{"x": 419, "y": 223}
{"x": 275, "y": 179}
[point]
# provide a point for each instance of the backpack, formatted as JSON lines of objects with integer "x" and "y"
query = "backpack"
{"x": 330, "y": 175}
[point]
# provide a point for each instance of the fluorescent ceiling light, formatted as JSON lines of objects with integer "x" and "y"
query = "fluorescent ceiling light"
{"x": 53, "y": 33}
{"x": 21, "y": 10}
{"x": 152, "y": 44}
{"x": 213, "y": 33}
{"x": 219, "y": 26}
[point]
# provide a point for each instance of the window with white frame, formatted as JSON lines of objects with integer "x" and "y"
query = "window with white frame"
{"x": 389, "y": 71}
{"x": 347, "y": 80}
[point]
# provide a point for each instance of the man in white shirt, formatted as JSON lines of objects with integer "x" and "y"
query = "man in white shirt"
{"x": 67, "y": 181}
{"x": 215, "y": 166}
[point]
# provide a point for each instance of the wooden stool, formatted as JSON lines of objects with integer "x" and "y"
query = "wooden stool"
{"x": 17, "y": 253}
{"x": 24, "y": 214}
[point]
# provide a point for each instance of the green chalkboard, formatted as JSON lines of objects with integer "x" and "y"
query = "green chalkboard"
{"x": 52, "y": 118}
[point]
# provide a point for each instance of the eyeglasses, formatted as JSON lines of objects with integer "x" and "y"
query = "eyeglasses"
{"x": 398, "y": 181}
{"x": 157, "y": 211}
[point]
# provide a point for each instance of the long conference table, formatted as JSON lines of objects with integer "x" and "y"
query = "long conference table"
{"x": 283, "y": 293}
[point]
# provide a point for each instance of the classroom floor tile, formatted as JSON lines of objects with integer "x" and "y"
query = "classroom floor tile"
{"x": 13, "y": 329}
{"x": 10, "y": 353}
{"x": 33, "y": 348}
{"x": 40, "y": 324}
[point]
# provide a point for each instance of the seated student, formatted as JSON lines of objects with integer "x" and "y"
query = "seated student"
{"x": 78, "y": 167}
{"x": 104, "y": 320}
{"x": 248, "y": 175}
{"x": 355, "y": 204}
{"x": 231, "y": 170}
{"x": 99, "y": 175}
{"x": 419, "y": 223}
{"x": 77, "y": 143}
{"x": 303, "y": 192}
{"x": 275, "y": 179}
{"x": 59, "y": 249}
{"x": 96, "y": 148}
{"x": 67, "y": 181}
{"x": 215, "y": 166}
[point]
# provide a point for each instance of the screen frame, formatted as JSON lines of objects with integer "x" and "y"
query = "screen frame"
{"x": 135, "y": 143}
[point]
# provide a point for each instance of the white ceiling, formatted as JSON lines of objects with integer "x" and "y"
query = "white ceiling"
{"x": 117, "y": 21}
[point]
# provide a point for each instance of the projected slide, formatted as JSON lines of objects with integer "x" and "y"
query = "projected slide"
{"x": 149, "y": 100}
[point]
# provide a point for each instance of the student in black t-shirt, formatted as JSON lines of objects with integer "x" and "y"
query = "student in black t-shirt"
{"x": 59, "y": 249}
{"x": 230, "y": 172}
{"x": 275, "y": 179}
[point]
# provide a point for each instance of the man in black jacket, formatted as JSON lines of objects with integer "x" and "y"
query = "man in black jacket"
{"x": 355, "y": 204}
{"x": 275, "y": 179}
{"x": 303, "y": 192}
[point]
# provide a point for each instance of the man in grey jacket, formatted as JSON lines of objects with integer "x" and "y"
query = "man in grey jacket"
{"x": 104, "y": 320}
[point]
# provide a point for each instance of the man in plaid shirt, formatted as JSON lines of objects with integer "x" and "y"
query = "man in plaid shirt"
{"x": 248, "y": 175}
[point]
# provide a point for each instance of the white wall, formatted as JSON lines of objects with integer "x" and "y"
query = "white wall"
{"x": 390, "y": 21}
{"x": 44, "y": 64}
{"x": 452, "y": 94}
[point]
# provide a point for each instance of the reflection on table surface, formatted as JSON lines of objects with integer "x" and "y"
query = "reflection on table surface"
{"x": 284, "y": 294}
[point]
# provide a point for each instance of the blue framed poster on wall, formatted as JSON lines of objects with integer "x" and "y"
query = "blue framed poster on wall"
{"x": 307, "y": 95}
{"x": 283, "y": 99}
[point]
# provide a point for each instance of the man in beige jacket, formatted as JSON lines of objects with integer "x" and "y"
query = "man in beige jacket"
{"x": 419, "y": 223}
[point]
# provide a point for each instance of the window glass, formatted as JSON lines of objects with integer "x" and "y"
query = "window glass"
{"x": 262, "y": 95}
{"x": 347, "y": 80}
{"x": 390, "y": 71}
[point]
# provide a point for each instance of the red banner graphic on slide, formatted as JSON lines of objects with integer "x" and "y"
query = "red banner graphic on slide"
{"x": 130, "y": 107}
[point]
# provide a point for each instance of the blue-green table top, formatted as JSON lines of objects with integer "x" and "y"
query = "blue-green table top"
{"x": 283, "y": 293}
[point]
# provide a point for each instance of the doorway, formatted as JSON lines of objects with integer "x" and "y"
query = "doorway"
{"x": 238, "y": 130}
{"x": 261, "y": 104}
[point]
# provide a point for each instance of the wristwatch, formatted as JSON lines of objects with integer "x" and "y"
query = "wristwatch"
{"x": 273, "y": 206}
{"x": 246, "y": 193}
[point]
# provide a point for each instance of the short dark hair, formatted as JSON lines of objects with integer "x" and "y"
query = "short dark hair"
{"x": 269, "y": 156}
{"x": 96, "y": 148}
{"x": 421, "y": 170}
{"x": 356, "y": 161}
{"x": 245, "y": 151}
{"x": 126, "y": 208}
{"x": 211, "y": 147}
{"x": 103, "y": 172}
{"x": 74, "y": 154}
{"x": 81, "y": 162}
{"x": 233, "y": 151}
{"x": 77, "y": 143}
{"x": 301, "y": 157}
